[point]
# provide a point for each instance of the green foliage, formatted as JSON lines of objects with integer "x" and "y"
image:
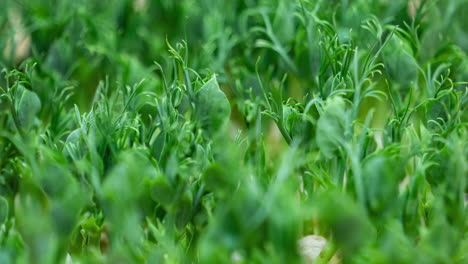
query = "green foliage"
{"x": 331, "y": 126}
{"x": 3, "y": 209}
{"x": 212, "y": 107}
{"x": 137, "y": 131}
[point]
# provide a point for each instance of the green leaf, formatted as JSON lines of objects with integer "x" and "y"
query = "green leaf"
{"x": 212, "y": 108}
{"x": 296, "y": 124}
{"x": 347, "y": 220}
{"x": 381, "y": 178}
{"x": 161, "y": 191}
{"x": 183, "y": 210}
{"x": 3, "y": 209}
{"x": 27, "y": 106}
{"x": 331, "y": 126}
{"x": 399, "y": 62}
{"x": 217, "y": 178}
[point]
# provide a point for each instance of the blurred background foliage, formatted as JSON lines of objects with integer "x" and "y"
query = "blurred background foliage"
{"x": 140, "y": 131}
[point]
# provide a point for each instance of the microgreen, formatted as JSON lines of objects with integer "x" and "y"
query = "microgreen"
{"x": 248, "y": 131}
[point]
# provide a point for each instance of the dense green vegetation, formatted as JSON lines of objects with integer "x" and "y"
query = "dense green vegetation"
{"x": 206, "y": 131}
